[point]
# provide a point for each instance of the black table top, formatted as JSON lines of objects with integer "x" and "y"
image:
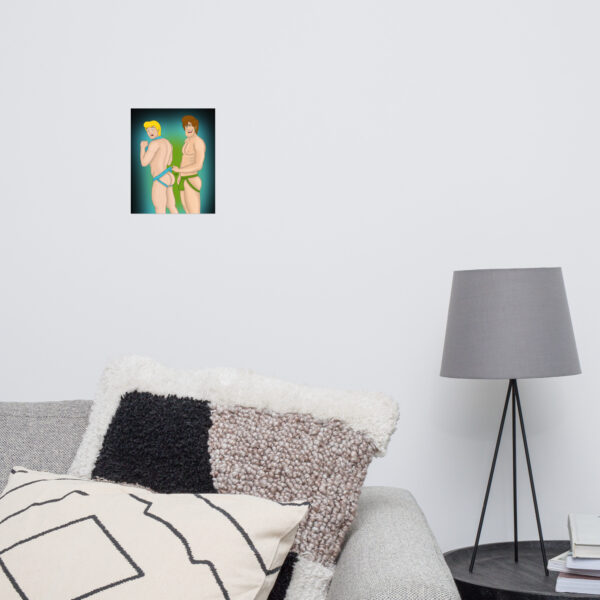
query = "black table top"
{"x": 497, "y": 577}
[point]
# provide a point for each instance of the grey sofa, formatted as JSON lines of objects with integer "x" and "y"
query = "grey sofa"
{"x": 389, "y": 554}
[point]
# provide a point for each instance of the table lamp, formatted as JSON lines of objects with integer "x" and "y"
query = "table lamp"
{"x": 509, "y": 324}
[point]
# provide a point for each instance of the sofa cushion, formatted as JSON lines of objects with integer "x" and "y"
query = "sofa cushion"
{"x": 62, "y": 537}
{"x": 236, "y": 432}
{"x": 40, "y": 435}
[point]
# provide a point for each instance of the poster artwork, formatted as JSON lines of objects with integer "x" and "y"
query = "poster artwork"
{"x": 173, "y": 161}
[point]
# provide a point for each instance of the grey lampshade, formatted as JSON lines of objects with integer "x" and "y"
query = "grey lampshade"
{"x": 509, "y": 324}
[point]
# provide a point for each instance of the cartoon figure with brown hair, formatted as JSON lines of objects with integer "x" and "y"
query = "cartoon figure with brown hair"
{"x": 159, "y": 155}
{"x": 192, "y": 160}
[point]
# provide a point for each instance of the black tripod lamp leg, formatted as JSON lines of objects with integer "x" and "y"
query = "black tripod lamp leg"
{"x": 535, "y": 504}
{"x": 514, "y": 466}
{"x": 489, "y": 484}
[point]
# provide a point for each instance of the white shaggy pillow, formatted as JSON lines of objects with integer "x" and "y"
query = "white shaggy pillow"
{"x": 236, "y": 432}
{"x": 63, "y": 538}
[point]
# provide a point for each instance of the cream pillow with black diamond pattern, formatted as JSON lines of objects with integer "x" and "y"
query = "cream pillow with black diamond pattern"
{"x": 63, "y": 538}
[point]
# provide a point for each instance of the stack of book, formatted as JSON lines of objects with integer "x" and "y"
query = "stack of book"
{"x": 579, "y": 568}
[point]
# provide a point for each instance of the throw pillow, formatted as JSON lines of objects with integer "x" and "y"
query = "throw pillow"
{"x": 236, "y": 432}
{"x": 64, "y": 538}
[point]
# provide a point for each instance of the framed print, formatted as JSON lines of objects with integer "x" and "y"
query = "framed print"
{"x": 173, "y": 160}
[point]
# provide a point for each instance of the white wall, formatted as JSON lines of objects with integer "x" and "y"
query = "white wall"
{"x": 365, "y": 151}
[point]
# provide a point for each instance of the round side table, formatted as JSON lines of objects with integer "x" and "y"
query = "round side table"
{"x": 497, "y": 576}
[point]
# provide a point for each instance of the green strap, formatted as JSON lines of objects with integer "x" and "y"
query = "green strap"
{"x": 185, "y": 178}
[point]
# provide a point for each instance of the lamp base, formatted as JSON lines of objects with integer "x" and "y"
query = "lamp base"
{"x": 512, "y": 395}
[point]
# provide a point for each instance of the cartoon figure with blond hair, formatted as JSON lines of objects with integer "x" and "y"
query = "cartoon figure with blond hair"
{"x": 158, "y": 153}
{"x": 192, "y": 161}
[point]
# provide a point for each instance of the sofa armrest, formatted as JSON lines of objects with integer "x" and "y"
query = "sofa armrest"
{"x": 390, "y": 553}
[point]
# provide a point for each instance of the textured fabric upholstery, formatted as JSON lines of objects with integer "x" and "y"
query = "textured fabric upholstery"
{"x": 42, "y": 436}
{"x": 390, "y": 553}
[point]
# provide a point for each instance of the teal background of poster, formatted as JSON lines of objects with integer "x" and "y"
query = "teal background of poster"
{"x": 172, "y": 129}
